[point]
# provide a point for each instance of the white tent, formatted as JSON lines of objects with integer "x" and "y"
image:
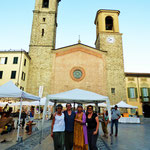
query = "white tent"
{"x": 122, "y": 104}
{"x": 77, "y": 96}
{"x": 10, "y": 90}
{"x": 42, "y": 102}
{"x": 99, "y": 105}
{"x": 2, "y": 104}
{"x": 24, "y": 103}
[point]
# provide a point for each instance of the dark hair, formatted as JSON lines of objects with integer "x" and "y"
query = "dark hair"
{"x": 107, "y": 112}
{"x": 80, "y": 105}
{"x": 59, "y": 105}
{"x": 89, "y": 107}
{"x": 68, "y": 104}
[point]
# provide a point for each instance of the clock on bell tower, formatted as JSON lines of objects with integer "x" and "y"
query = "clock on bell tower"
{"x": 108, "y": 38}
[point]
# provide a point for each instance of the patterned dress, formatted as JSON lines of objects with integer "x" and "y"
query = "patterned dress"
{"x": 80, "y": 142}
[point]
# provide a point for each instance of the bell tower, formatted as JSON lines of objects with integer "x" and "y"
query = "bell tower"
{"x": 109, "y": 38}
{"x": 43, "y": 39}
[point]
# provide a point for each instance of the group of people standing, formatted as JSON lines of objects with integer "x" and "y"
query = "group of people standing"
{"x": 78, "y": 130}
{"x": 75, "y": 130}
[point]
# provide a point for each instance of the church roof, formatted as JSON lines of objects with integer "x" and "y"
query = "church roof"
{"x": 79, "y": 44}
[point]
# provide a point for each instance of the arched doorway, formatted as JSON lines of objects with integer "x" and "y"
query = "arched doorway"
{"x": 146, "y": 110}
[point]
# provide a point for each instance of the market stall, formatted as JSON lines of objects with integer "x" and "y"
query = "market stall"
{"x": 77, "y": 96}
{"x": 10, "y": 91}
{"x": 127, "y": 119}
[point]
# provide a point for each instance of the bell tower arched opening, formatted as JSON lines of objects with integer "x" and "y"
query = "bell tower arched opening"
{"x": 45, "y": 4}
{"x": 109, "y": 23}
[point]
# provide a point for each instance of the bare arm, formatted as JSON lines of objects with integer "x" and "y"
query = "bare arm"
{"x": 97, "y": 127}
{"x": 52, "y": 126}
{"x": 107, "y": 121}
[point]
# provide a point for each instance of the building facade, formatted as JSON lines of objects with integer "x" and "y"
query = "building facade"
{"x": 102, "y": 67}
{"x": 99, "y": 69}
{"x": 14, "y": 65}
{"x": 138, "y": 91}
{"x": 43, "y": 38}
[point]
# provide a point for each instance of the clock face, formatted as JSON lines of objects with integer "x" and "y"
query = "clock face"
{"x": 110, "y": 40}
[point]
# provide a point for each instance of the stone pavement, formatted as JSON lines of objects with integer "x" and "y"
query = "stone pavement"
{"x": 47, "y": 144}
{"x": 33, "y": 141}
{"x": 131, "y": 137}
{"x": 11, "y": 137}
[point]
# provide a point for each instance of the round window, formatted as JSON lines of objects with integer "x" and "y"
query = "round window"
{"x": 77, "y": 73}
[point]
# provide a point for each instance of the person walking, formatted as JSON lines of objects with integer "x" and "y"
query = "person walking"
{"x": 58, "y": 128}
{"x": 104, "y": 123}
{"x": 80, "y": 141}
{"x": 115, "y": 115}
{"x": 69, "y": 126}
{"x": 92, "y": 127}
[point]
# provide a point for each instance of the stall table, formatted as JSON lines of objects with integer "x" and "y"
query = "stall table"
{"x": 129, "y": 120}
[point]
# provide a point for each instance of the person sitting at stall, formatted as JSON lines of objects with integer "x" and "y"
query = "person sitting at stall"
{"x": 6, "y": 122}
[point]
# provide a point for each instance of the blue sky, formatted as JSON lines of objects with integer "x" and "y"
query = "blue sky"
{"x": 76, "y": 17}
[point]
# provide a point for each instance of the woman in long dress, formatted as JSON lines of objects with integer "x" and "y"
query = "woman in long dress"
{"x": 80, "y": 130}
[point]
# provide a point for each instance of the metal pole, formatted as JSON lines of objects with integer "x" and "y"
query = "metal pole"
{"x": 96, "y": 107}
{"x": 74, "y": 106}
{"x": 19, "y": 120}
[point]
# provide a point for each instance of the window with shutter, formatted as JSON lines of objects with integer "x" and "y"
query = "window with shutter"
{"x": 15, "y": 61}
{"x": 13, "y": 74}
{"x": 6, "y": 60}
{"x": 128, "y": 92}
{"x": 149, "y": 93}
{"x": 132, "y": 93}
{"x": 145, "y": 94}
{"x": 1, "y": 74}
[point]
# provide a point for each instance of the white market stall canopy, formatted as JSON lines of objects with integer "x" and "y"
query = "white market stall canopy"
{"x": 77, "y": 96}
{"x": 10, "y": 90}
{"x": 42, "y": 102}
{"x": 122, "y": 104}
{"x": 99, "y": 105}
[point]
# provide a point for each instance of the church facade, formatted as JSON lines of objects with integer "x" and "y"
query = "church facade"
{"x": 99, "y": 69}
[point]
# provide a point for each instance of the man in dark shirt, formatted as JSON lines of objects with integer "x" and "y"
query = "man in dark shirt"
{"x": 69, "y": 126}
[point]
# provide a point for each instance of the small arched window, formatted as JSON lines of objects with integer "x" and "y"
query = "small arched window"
{"x": 45, "y": 3}
{"x": 109, "y": 23}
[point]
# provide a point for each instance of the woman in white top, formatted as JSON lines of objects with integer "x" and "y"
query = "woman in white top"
{"x": 58, "y": 129}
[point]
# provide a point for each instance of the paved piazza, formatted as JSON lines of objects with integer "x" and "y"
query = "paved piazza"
{"x": 131, "y": 137}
